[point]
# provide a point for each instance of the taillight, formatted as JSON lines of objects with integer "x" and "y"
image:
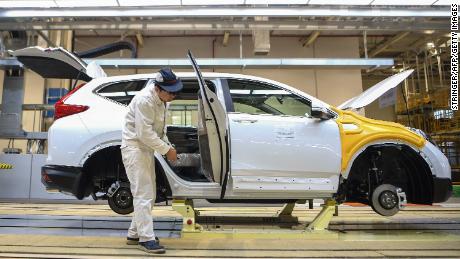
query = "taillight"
{"x": 61, "y": 109}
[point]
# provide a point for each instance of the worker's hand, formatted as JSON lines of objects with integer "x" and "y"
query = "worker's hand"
{"x": 171, "y": 155}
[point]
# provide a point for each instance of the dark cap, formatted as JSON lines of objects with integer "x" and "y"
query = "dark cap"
{"x": 168, "y": 81}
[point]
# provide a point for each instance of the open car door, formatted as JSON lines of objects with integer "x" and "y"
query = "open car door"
{"x": 57, "y": 63}
{"x": 212, "y": 132}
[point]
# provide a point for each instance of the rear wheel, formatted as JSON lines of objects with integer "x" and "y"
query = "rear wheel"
{"x": 121, "y": 201}
{"x": 385, "y": 200}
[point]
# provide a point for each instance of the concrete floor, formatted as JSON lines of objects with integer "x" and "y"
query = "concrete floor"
{"x": 93, "y": 231}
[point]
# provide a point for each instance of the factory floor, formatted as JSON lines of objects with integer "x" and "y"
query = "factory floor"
{"x": 59, "y": 230}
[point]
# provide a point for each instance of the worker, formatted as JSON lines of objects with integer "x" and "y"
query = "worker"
{"x": 144, "y": 132}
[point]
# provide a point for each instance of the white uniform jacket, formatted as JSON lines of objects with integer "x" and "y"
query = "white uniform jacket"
{"x": 145, "y": 122}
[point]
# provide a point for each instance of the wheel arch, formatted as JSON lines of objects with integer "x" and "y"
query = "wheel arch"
{"x": 401, "y": 164}
{"x": 345, "y": 173}
{"x": 103, "y": 165}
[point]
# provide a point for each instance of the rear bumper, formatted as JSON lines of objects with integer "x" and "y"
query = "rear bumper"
{"x": 62, "y": 178}
{"x": 442, "y": 189}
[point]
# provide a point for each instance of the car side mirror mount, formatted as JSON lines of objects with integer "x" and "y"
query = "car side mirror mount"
{"x": 321, "y": 113}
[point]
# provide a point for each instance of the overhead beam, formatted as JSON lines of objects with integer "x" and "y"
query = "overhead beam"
{"x": 174, "y": 12}
{"x": 247, "y": 63}
{"x": 388, "y": 43}
{"x": 220, "y": 25}
{"x": 268, "y": 63}
{"x": 420, "y": 44}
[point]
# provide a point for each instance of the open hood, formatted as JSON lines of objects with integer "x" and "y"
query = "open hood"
{"x": 375, "y": 91}
{"x": 57, "y": 63}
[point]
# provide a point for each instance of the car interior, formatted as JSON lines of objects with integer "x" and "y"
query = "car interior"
{"x": 188, "y": 137}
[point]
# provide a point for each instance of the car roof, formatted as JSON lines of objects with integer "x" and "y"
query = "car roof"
{"x": 209, "y": 75}
{"x": 179, "y": 74}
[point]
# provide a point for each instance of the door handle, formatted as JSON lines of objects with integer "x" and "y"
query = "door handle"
{"x": 245, "y": 120}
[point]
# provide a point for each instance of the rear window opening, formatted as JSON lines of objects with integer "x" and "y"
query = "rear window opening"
{"x": 122, "y": 92}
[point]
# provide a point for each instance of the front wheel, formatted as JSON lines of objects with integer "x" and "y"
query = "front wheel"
{"x": 121, "y": 201}
{"x": 385, "y": 200}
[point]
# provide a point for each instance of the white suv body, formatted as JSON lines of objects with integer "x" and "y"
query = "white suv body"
{"x": 257, "y": 140}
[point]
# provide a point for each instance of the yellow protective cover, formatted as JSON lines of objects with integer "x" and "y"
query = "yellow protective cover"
{"x": 370, "y": 130}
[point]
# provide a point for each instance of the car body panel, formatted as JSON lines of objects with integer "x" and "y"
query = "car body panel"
{"x": 103, "y": 121}
{"x": 356, "y": 131}
{"x": 181, "y": 188}
{"x": 266, "y": 147}
{"x": 438, "y": 162}
{"x": 63, "y": 149}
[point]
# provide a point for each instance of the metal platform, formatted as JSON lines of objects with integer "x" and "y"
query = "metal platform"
{"x": 82, "y": 231}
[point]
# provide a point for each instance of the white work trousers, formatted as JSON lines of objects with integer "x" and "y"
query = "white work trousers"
{"x": 140, "y": 169}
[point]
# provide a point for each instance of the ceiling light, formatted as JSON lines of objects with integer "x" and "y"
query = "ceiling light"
{"x": 148, "y": 2}
{"x": 339, "y": 2}
{"x": 92, "y": 3}
{"x": 212, "y": 2}
{"x": 405, "y": 2}
{"x": 275, "y": 2}
{"x": 29, "y": 3}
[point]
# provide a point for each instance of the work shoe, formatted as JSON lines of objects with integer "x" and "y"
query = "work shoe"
{"x": 135, "y": 240}
{"x": 151, "y": 247}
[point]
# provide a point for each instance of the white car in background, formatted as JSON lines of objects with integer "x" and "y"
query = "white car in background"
{"x": 257, "y": 140}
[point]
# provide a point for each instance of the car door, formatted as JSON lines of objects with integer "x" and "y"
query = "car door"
{"x": 275, "y": 147}
{"x": 212, "y": 131}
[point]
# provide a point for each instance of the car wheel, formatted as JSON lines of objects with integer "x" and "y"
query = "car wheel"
{"x": 122, "y": 201}
{"x": 385, "y": 200}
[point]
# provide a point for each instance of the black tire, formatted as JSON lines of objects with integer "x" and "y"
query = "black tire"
{"x": 385, "y": 200}
{"x": 122, "y": 201}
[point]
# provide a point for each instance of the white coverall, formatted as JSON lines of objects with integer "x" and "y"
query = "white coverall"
{"x": 144, "y": 132}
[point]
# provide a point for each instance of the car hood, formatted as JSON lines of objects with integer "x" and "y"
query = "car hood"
{"x": 375, "y": 91}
